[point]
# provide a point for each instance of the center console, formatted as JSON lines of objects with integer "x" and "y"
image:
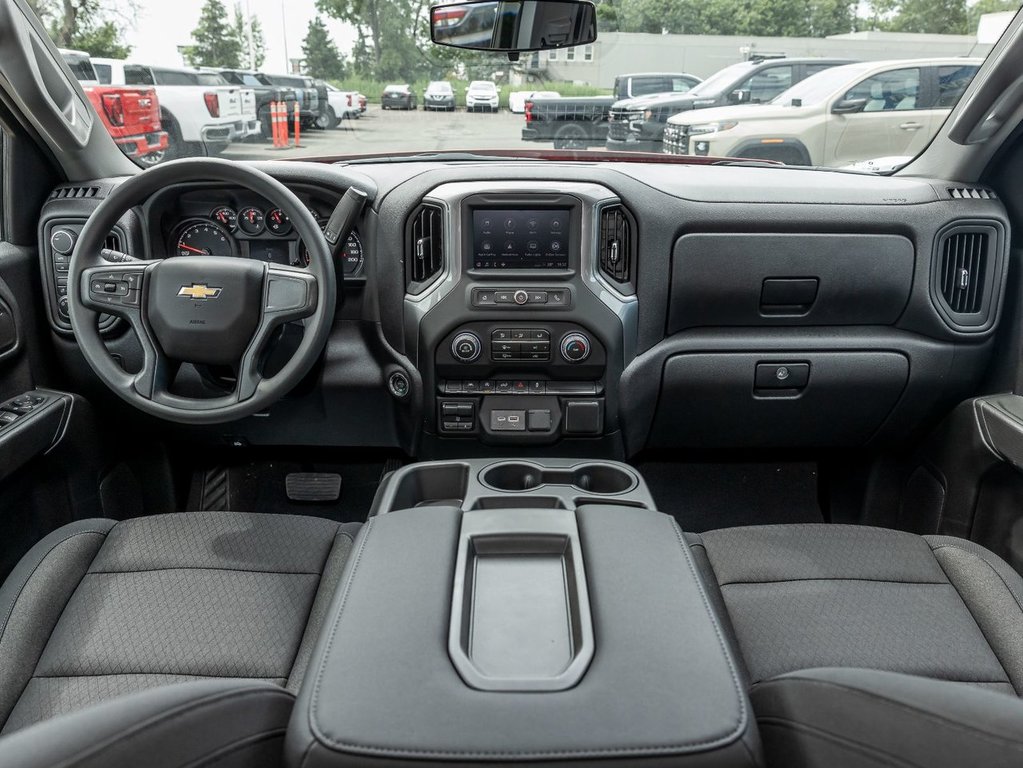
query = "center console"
{"x": 524, "y": 333}
{"x": 520, "y": 611}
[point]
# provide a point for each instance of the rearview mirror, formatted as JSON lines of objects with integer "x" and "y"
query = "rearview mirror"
{"x": 848, "y": 106}
{"x": 514, "y": 26}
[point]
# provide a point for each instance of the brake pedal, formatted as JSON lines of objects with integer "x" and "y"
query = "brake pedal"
{"x": 313, "y": 486}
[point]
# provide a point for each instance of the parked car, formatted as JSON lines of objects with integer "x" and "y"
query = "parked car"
{"x": 398, "y": 97}
{"x": 265, "y": 95}
{"x": 200, "y": 111}
{"x": 439, "y": 95}
{"x": 639, "y": 126}
{"x": 310, "y": 108}
{"x": 517, "y": 99}
{"x": 482, "y": 95}
{"x": 130, "y": 115}
{"x": 363, "y": 103}
{"x": 466, "y": 24}
{"x": 844, "y": 115}
{"x": 343, "y": 104}
{"x": 581, "y": 121}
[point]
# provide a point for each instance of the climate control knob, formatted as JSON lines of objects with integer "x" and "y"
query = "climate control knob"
{"x": 466, "y": 347}
{"x": 575, "y": 347}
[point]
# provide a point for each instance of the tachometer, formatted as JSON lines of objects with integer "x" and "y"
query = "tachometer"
{"x": 202, "y": 239}
{"x": 225, "y": 217}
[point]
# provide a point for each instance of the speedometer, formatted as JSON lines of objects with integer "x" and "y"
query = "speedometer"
{"x": 351, "y": 259}
{"x": 351, "y": 256}
{"x": 204, "y": 239}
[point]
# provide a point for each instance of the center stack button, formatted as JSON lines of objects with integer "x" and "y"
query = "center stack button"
{"x": 466, "y": 347}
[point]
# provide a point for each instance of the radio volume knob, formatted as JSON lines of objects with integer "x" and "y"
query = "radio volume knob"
{"x": 520, "y": 297}
{"x": 466, "y": 347}
{"x": 575, "y": 347}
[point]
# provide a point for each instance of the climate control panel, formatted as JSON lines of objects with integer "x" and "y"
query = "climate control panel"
{"x": 562, "y": 350}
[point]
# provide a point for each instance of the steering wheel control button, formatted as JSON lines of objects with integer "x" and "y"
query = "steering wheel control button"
{"x": 466, "y": 347}
{"x": 63, "y": 241}
{"x": 782, "y": 376}
{"x": 399, "y": 385}
{"x": 521, "y": 297}
{"x": 575, "y": 347}
{"x": 62, "y": 309}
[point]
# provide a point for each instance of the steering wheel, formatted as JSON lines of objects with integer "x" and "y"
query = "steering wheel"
{"x": 213, "y": 310}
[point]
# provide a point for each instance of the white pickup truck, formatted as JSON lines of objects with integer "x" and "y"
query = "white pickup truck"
{"x": 343, "y": 104}
{"x": 199, "y": 109}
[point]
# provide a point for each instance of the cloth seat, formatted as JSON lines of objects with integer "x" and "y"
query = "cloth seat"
{"x": 100, "y": 609}
{"x": 862, "y": 614}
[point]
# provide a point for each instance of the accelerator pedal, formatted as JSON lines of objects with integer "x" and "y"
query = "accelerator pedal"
{"x": 313, "y": 486}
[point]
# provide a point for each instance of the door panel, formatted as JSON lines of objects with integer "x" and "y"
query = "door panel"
{"x": 892, "y": 121}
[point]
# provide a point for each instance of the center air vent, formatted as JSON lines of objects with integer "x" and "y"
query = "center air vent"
{"x": 967, "y": 266}
{"x": 614, "y": 246}
{"x": 425, "y": 256}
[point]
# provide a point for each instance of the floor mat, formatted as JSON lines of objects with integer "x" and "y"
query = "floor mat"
{"x": 260, "y": 486}
{"x": 705, "y": 496}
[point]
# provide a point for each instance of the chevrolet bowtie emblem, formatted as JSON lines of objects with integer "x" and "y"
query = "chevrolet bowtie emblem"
{"x": 199, "y": 291}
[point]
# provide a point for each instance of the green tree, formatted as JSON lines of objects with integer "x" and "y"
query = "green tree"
{"x": 386, "y": 28}
{"x": 215, "y": 40}
{"x": 978, "y": 9}
{"x": 250, "y": 58}
{"x": 947, "y": 17}
{"x": 86, "y": 25}
{"x": 322, "y": 58}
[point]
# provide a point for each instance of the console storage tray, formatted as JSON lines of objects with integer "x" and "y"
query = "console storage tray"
{"x": 384, "y": 686}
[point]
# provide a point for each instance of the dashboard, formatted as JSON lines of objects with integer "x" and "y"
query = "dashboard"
{"x": 599, "y": 309}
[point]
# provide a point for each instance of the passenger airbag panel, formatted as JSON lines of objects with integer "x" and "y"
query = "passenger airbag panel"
{"x": 734, "y": 279}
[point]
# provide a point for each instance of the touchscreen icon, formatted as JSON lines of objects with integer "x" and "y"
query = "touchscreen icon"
{"x": 555, "y": 245}
{"x": 509, "y": 223}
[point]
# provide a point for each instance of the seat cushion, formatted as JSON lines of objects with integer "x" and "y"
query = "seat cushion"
{"x": 100, "y": 609}
{"x": 804, "y": 596}
{"x": 863, "y": 718}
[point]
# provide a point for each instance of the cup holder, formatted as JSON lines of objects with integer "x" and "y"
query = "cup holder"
{"x": 595, "y": 478}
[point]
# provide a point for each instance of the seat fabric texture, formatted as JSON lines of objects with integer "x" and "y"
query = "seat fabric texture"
{"x": 870, "y": 647}
{"x": 100, "y": 608}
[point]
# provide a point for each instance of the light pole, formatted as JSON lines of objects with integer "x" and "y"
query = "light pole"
{"x": 284, "y": 31}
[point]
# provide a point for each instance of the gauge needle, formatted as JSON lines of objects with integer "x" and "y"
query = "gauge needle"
{"x": 190, "y": 248}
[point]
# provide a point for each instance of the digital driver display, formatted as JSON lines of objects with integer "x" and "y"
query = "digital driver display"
{"x": 518, "y": 239}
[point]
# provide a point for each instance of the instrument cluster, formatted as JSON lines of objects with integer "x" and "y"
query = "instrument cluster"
{"x": 257, "y": 232}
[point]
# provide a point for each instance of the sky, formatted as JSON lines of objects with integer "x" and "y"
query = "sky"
{"x": 163, "y": 25}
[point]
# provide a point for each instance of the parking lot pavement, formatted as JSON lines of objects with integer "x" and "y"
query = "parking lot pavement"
{"x": 380, "y": 131}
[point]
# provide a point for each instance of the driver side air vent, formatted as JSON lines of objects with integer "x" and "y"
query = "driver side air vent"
{"x": 62, "y": 192}
{"x": 425, "y": 255}
{"x": 966, "y": 272}
{"x": 614, "y": 244}
{"x": 113, "y": 242}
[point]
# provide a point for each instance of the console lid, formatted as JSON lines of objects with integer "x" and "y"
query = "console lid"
{"x": 659, "y": 689}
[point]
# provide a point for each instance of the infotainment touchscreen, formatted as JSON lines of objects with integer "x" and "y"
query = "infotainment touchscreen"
{"x": 520, "y": 239}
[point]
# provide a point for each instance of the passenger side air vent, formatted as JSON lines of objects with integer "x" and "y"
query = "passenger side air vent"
{"x": 966, "y": 274}
{"x": 62, "y": 192}
{"x": 963, "y": 260}
{"x": 971, "y": 193}
{"x": 614, "y": 246}
{"x": 425, "y": 257}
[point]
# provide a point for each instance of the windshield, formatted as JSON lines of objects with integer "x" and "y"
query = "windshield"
{"x": 883, "y": 63}
{"x": 819, "y": 87}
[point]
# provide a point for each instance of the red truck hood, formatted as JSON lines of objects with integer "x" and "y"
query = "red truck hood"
{"x": 136, "y": 108}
